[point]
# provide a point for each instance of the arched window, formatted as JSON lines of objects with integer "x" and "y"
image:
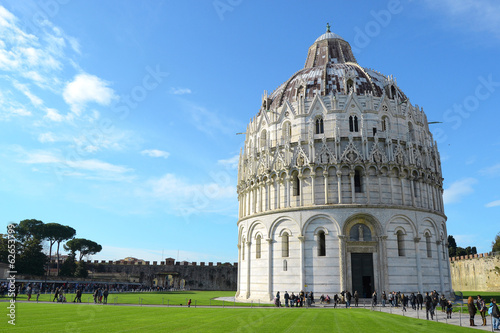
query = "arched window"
{"x": 319, "y": 126}
{"x": 360, "y": 232}
{"x": 385, "y": 123}
{"x": 258, "y": 246}
{"x": 263, "y": 138}
{"x": 393, "y": 92}
{"x": 357, "y": 182}
{"x": 321, "y": 244}
{"x": 285, "y": 245}
{"x": 415, "y": 187}
{"x": 428, "y": 245}
{"x": 401, "y": 243}
{"x": 285, "y": 265}
{"x": 287, "y": 130}
{"x": 353, "y": 124}
{"x": 350, "y": 85}
{"x": 296, "y": 184}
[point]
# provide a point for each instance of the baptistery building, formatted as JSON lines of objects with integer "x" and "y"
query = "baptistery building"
{"x": 340, "y": 186}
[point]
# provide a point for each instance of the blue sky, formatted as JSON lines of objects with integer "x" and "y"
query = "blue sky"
{"x": 118, "y": 118}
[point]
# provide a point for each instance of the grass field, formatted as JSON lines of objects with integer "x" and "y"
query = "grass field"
{"x": 57, "y": 317}
{"x": 173, "y": 298}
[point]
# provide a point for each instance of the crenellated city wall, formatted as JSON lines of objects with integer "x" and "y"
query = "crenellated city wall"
{"x": 478, "y": 272}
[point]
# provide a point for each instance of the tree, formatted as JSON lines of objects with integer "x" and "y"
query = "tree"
{"x": 57, "y": 233}
{"x": 31, "y": 260}
{"x": 28, "y": 230}
{"x": 68, "y": 268}
{"x": 496, "y": 244}
{"x": 82, "y": 245}
{"x": 29, "y": 256}
{"x": 65, "y": 233}
{"x": 452, "y": 246}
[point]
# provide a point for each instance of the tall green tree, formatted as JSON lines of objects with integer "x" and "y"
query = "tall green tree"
{"x": 82, "y": 245}
{"x": 495, "y": 245}
{"x": 452, "y": 246}
{"x": 30, "y": 258}
{"x": 57, "y": 233}
{"x": 65, "y": 233}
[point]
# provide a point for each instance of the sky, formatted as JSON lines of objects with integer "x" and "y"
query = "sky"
{"x": 119, "y": 118}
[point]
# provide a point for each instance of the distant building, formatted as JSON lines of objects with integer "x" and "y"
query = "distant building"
{"x": 340, "y": 186}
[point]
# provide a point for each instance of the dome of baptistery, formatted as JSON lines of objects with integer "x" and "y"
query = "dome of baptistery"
{"x": 340, "y": 186}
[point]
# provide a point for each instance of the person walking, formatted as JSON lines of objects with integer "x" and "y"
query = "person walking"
{"x": 56, "y": 294}
{"x": 472, "y": 310}
{"x": 420, "y": 300}
{"x": 356, "y": 298}
{"x": 429, "y": 309}
{"x": 348, "y": 299}
{"x": 384, "y": 298}
{"x": 495, "y": 314}
{"x": 287, "y": 298}
{"x": 374, "y": 298}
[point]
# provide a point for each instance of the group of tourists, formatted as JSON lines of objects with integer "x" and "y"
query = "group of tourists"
{"x": 299, "y": 300}
{"x": 480, "y": 306}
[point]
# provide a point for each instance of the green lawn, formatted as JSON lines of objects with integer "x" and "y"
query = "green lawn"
{"x": 57, "y": 317}
{"x": 484, "y": 294}
{"x": 173, "y": 298}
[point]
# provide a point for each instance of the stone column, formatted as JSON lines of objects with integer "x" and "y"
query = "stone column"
{"x": 379, "y": 187}
{"x": 325, "y": 175}
{"x": 339, "y": 185}
{"x": 342, "y": 263}
{"x": 367, "y": 187}
{"x": 402, "y": 190}
{"x": 288, "y": 196}
{"x": 270, "y": 268}
{"x": 302, "y": 241}
{"x": 390, "y": 189}
{"x": 258, "y": 197}
{"x": 419, "y": 267}
{"x": 429, "y": 199}
{"x": 248, "y": 268}
{"x": 412, "y": 190}
{"x": 278, "y": 187}
{"x": 441, "y": 282}
{"x": 268, "y": 197}
{"x": 301, "y": 192}
{"x": 353, "y": 193}
{"x": 384, "y": 264}
{"x": 239, "y": 271}
{"x": 313, "y": 187}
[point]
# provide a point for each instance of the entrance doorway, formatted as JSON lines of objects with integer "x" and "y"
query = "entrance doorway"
{"x": 362, "y": 274}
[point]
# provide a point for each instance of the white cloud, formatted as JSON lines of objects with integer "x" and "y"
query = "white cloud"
{"x": 457, "y": 190}
{"x": 491, "y": 171}
{"x": 47, "y": 137}
{"x": 193, "y": 198}
{"x": 495, "y": 203}
{"x": 180, "y": 91}
{"x": 471, "y": 14}
{"x": 35, "y": 100}
{"x": 231, "y": 163}
{"x": 85, "y": 168}
{"x": 155, "y": 153}
{"x": 86, "y": 88}
{"x": 53, "y": 114}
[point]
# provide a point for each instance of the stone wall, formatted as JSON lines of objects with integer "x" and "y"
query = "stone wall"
{"x": 479, "y": 272}
{"x": 168, "y": 273}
